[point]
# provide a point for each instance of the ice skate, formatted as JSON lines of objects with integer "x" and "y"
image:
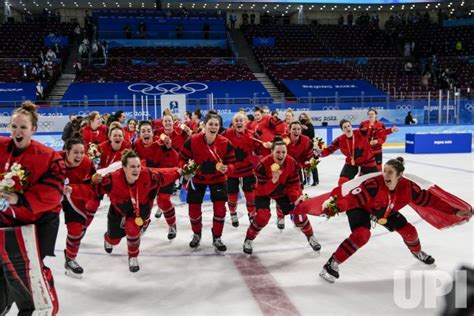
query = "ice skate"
{"x": 314, "y": 243}
{"x": 133, "y": 264}
{"x": 219, "y": 246}
{"x": 195, "y": 241}
{"x": 330, "y": 270}
{"x": 73, "y": 269}
{"x": 248, "y": 247}
{"x": 424, "y": 257}
{"x": 235, "y": 219}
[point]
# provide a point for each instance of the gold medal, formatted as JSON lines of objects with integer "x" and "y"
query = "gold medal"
{"x": 275, "y": 167}
{"x": 182, "y": 126}
{"x": 219, "y": 166}
{"x": 162, "y": 137}
{"x": 286, "y": 140}
{"x": 139, "y": 221}
{"x": 382, "y": 221}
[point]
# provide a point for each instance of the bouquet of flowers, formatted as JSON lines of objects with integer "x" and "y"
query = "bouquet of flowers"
{"x": 312, "y": 164}
{"x": 94, "y": 154}
{"x": 318, "y": 143}
{"x": 190, "y": 168}
{"x": 15, "y": 179}
{"x": 12, "y": 181}
{"x": 330, "y": 207}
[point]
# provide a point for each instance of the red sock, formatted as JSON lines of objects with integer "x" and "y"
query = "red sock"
{"x": 132, "y": 231}
{"x": 260, "y": 221}
{"x": 304, "y": 224}
{"x": 164, "y": 203}
{"x": 280, "y": 214}
{"x": 232, "y": 202}
{"x": 75, "y": 233}
{"x": 359, "y": 237}
{"x": 410, "y": 237}
{"x": 195, "y": 216}
{"x": 219, "y": 218}
{"x": 250, "y": 202}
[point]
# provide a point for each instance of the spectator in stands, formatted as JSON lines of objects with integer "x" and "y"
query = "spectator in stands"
{"x": 142, "y": 29}
{"x": 232, "y": 20}
{"x": 179, "y": 30}
{"x": 350, "y": 18}
{"x": 127, "y": 29}
{"x": 84, "y": 51}
{"x": 409, "y": 119}
{"x": 340, "y": 21}
{"x": 458, "y": 46}
{"x": 44, "y": 74}
{"x": 205, "y": 30}
{"x": 245, "y": 18}
{"x": 77, "y": 68}
{"x": 252, "y": 18}
{"x": 36, "y": 71}
{"x": 71, "y": 126}
{"x": 24, "y": 73}
{"x": 50, "y": 54}
{"x": 77, "y": 32}
{"x": 39, "y": 91}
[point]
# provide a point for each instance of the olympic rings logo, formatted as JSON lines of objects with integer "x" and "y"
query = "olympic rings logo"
{"x": 404, "y": 107}
{"x": 468, "y": 106}
{"x": 5, "y": 114}
{"x": 351, "y": 117}
{"x": 330, "y": 108}
{"x": 167, "y": 88}
{"x": 47, "y": 125}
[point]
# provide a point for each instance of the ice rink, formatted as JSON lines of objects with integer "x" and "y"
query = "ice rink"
{"x": 281, "y": 277}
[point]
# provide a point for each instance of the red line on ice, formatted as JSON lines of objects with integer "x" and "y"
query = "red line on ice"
{"x": 271, "y": 299}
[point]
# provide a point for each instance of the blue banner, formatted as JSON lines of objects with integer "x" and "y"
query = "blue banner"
{"x": 17, "y": 91}
{"x": 52, "y": 40}
{"x": 264, "y": 41}
{"x": 194, "y": 90}
{"x": 166, "y": 43}
{"x": 329, "y": 88}
{"x": 460, "y": 22}
{"x": 438, "y": 143}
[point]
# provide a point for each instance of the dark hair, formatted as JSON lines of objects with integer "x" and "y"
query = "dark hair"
{"x": 128, "y": 153}
{"x": 28, "y": 108}
{"x": 71, "y": 142}
{"x": 212, "y": 115}
{"x": 250, "y": 117}
{"x": 132, "y": 120}
{"x": 344, "y": 121}
{"x": 277, "y": 141}
{"x": 198, "y": 113}
{"x": 373, "y": 110}
{"x": 143, "y": 123}
{"x": 294, "y": 123}
{"x": 258, "y": 109}
{"x": 397, "y": 164}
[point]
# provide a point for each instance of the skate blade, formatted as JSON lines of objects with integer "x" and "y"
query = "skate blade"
{"x": 326, "y": 276}
{"x": 219, "y": 253}
{"x": 72, "y": 274}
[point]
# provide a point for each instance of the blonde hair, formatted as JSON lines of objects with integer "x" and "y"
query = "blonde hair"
{"x": 115, "y": 125}
{"x": 29, "y": 109}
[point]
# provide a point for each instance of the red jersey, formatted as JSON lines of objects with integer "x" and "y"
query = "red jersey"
{"x": 178, "y": 137}
{"x": 288, "y": 183}
{"x": 129, "y": 136}
{"x": 45, "y": 178}
{"x": 79, "y": 178}
{"x": 267, "y": 128}
{"x": 244, "y": 146}
{"x": 108, "y": 155}
{"x": 251, "y": 126}
{"x": 373, "y": 196}
{"x": 301, "y": 150}
{"x": 143, "y": 190}
{"x": 376, "y": 131}
{"x": 156, "y": 155}
{"x": 356, "y": 148}
{"x": 80, "y": 174}
{"x": 207, "y": 156}
{"x": 90, "y": 136}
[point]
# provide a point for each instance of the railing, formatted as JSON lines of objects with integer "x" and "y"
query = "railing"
{"x": 162, "y": 34}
